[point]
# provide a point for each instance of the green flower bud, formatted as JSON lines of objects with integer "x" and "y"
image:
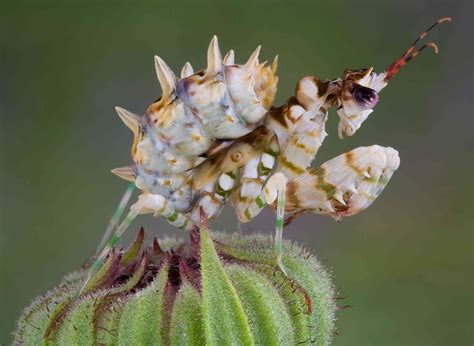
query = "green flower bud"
{"x": 215, "y": 291}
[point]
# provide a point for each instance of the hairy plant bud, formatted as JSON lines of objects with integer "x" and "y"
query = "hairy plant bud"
{"x": 220, "y": 290}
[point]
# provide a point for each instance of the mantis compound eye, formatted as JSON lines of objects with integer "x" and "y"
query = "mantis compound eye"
{"x": 356, "y": 102}
{"x": 367, "y": 98}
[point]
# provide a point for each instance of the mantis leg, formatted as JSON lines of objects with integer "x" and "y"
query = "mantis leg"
{"x": 147, "y": 203}
{"x": 108, "y": 246}
{"x": 213, "y": 197}
{"x": 116, "y": 217}
{"x": 248, "y": 201}
{"x": 276, "y": 189}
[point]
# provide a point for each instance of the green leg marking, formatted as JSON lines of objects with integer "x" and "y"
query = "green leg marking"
{"x": 116, "y": 217}
{"x": 172, "y": 218}
{"x": 279, "y": 228}
{"x": 110, "y": 244}
{"x": 260, "y": 202}
{"x": 247, "y": 214}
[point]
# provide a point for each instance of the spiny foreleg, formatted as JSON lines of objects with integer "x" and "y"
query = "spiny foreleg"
{"x": 345, "y": 185}
{"x": 299, "y": 131}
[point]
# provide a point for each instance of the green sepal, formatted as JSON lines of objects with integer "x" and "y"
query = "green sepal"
{"x": 107, "y": 322}
{"x": 271, "y": 322}
{"x": 308, "y": 284}
{"x": 224, "y": 316}
{"x": 104, "y": 269}
{"x": 133, "y": 281}
{"x": 37, "y": 318}
{"x": 142, "y": 314}
{"x": 129, "y": 255}
{"x": 187, "y": 327}
{"x": 77, "y": 327}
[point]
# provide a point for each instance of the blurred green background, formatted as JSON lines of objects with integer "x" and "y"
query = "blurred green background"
{"x": 405, "y": 264}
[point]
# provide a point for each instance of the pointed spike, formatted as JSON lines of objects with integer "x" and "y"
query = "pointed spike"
{"x": 131, "y": 120}
{"x": 214, "y": 59}
{"x": 329, "y": 207}
{"x": 229, "y": 58}
{"x": 275, "y": 64}
{"x": 187, "y": 70}
{"x": 253, "y": 60}
{"x": 352, "y": 189}
{"x": 339, "y": 197}
{"x": 126, "y": 173}
{"x": 165, "y": 76}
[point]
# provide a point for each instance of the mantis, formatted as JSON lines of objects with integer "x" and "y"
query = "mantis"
{"x": 214, "y": 137}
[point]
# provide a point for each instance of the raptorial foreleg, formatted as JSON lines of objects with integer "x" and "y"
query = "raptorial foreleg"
{"x": 300, "y": 125}
{"x": 345, "y": 185}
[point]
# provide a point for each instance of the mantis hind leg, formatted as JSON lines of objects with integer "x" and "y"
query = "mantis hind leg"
{"x": 147, "y": 203}
{"x": 116, "y": 217}
{"x": 108, "y": 246}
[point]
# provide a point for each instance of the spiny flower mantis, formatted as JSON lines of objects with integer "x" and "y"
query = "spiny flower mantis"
{"x": 214, "y": 136}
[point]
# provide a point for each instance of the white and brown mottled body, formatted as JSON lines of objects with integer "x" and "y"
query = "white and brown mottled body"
{"x": 181, "y": 156}
{"x": 194, "y": 114}
{"x": 214, "y": 136}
